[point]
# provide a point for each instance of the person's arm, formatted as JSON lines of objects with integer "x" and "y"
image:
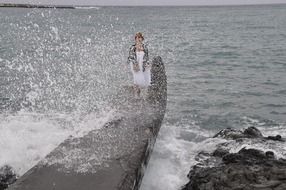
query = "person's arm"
{"x": 131, "y": 57}
{"x": 146, "y": 55}
{"x": 145, "y": 58}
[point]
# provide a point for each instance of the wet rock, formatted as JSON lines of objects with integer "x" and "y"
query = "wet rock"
{"x": 252, "y": 132}
{"x": 229, "y": 133}
{"x": 275, "y": 138}
{"x": 270, "y": 154}
{"x": 7, "y": 177}
{"x": 247, "y": 169}
{"x": 246, "y": 156}
{"x": 220, "y": 152}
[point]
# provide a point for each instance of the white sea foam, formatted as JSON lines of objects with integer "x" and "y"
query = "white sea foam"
{"x": 176, "y": 148}
{"x": 267, "y": 128}
{"x": 173, "y": 156}
{"x": 278, "y": 148}
{"x": 26, "y": 138}
{"x": 273, "y": 131}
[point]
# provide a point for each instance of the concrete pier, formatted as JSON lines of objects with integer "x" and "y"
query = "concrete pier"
{"x": 111, "y": 158}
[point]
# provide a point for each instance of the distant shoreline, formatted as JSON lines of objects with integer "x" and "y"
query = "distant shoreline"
{"x": 8, "y": 5}
{"x": 11, "y": 5}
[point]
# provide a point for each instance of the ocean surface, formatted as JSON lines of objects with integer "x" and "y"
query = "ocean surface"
{"x": 59, "y": 70}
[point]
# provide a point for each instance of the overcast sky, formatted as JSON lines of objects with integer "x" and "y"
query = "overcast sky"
{"x": 144, "y": 2}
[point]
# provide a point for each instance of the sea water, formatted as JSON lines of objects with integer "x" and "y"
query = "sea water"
{"x": 59, "y": 70}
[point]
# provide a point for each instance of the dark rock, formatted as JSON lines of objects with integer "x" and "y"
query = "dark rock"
{"x": 252, "y": 132}
{"x": 230, "y": 133}
{"x": 249, "y": 169}
{"x": 220, "y": 152}
{"x": 7, "y": 177}
{"x": 270, "y": 154}
{"x": 245, "y": 156}
{"x": 275, "y": 138}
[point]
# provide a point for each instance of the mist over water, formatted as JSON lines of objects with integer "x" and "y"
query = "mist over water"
{"x": 58, "y": 76}
{"x": 56, "y": 61}
{"x": 59, "y": 70}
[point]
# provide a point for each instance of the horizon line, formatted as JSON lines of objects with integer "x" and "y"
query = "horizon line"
{"x": 193, "y": 5}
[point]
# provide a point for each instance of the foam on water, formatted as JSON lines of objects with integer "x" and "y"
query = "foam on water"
{"x": 176, "y": 148}
{"x": 173, "y": 156}
{"x": 26, "y": 138}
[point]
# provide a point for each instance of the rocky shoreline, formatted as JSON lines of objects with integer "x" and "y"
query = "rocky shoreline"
{"x": 7, "y": 177}
{"x": 224, "y": 169}
{"x": 247, "y": 169}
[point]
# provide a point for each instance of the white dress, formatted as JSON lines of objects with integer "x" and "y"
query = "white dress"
{"x": 147, "y": 76}
{"x": 142, "y": 79}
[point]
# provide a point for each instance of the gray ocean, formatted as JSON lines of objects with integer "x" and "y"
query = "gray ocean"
{"x": 59, "y": 71}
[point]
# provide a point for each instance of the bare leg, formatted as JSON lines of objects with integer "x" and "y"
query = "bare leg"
{"x": 136, "y": 90}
